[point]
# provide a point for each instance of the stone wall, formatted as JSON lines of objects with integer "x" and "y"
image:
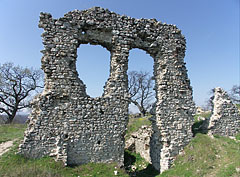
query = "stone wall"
{"x": 139, "y": 142}
{"x": 225, "y": 119}
{"x": 73, "y": 127}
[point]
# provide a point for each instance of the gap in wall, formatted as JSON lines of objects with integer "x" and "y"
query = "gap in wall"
{"x": 93, "y": 67}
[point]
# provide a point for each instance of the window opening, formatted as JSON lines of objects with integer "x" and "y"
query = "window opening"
{"x": 93, "y": 65}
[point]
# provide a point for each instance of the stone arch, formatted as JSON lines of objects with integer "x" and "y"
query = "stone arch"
{"x": 68, "y": 124}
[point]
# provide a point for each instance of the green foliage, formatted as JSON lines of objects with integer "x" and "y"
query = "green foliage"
{"x": 135, "y": 123}
{"x": 205, "y": 156}
{"x": 11, "y": 131}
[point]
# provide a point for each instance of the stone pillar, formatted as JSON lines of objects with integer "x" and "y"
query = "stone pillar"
{"x": 174, "y": 108}
{"x": 118, "y": 80}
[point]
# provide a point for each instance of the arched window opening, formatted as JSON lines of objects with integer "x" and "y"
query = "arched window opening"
{"x": 93, "y": 65}
{"x": 141, "y": 82}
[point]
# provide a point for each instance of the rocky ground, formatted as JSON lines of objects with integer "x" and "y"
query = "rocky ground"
{"x": 4, "y": 147}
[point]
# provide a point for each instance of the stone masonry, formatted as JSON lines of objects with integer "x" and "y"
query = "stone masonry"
{"x": 139, "y": 142}
{"x": 71, "y": 126}
{"x": 225, "y": 120}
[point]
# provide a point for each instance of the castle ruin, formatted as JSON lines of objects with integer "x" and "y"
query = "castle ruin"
{"x": 70, "y": 126}
{"x": 225, "y": 119}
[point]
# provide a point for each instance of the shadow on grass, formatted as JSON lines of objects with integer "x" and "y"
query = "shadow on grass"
{"x": 130, "y": 159}
{"x": 200, "y": 127}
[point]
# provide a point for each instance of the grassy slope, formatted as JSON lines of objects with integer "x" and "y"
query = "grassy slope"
{"x": 204, "y": 156}
{"x": 15, "y": 165}
{"x": 10, "y": 132}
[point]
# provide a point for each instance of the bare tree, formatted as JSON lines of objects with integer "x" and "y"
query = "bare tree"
{"x": 16, "y": 86}
{"x": 209, "y": 102}
{"x": 140, "y": 88}
{"x": 235, "y": 94}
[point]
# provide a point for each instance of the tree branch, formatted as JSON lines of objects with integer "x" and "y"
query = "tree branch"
{"x": 4, "y": 110}
{"x": 16, "y": 85}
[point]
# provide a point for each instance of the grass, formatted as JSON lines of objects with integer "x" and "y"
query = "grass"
{"x": 11, "y": 131}
{"x": 238, "y": 136}
{"x": 205, "y": 156}
{"x": 197, "y": 126}
{"x": 135, "y": 123}
{"x": 238, "y": 106}
{"x": 135, "y": 165}
{"x": 15, "y": 165}
{"x": 205, "y": 115}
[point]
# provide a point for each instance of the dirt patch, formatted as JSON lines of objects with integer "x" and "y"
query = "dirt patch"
{"x": 4, "y": 147}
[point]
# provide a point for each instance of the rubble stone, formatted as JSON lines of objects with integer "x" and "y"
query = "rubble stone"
{"x": 225, "y": 120}
{"x": 139, "y": 142}
{"x": 71, "y": 126}
{"x": 199, "y": 110}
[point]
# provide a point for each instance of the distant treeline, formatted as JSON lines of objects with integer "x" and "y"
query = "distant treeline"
{"x": 19, "y": 119}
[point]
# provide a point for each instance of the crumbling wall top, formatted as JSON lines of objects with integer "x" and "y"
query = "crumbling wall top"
{"x": 73, "y": 127}
{"x": 225, "y": 119}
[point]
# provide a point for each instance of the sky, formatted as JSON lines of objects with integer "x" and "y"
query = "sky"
{"x": 211, "y": 29}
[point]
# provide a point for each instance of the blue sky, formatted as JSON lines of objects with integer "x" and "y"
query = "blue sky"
{"x": 211, "y": 28}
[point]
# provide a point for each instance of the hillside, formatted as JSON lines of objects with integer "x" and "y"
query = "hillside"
{"x": 204, "y": 156}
